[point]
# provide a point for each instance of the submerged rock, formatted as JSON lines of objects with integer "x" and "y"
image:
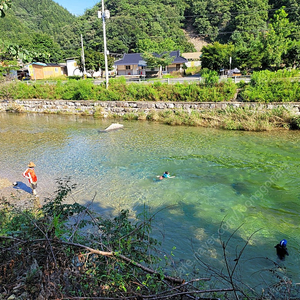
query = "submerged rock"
{"x": 240, "y": 188}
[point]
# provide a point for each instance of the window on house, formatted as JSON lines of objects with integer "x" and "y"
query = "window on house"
{"x": 56, "y": 70}
{"x": 177, "y": 67}
{"x": 127, "y": 67}
{"x": 164, "y": 69}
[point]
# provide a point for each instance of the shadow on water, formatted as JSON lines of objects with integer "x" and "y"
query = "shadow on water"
{"x": 240, "y": 188}
{"x": 193, "y": 245}
{"x": 22, "y": 186}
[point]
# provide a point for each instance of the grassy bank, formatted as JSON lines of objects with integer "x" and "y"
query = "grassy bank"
{"x": 265, "y": 87}
{"x": 230, "y": 119}
{"x": 118, "y": 90}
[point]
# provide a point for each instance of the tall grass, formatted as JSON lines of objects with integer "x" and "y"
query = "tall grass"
{"x": 230, "y": 118}
{"x": 118, "y": 90}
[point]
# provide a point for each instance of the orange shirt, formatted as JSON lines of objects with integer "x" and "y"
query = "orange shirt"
{"x": 30, "y": 174}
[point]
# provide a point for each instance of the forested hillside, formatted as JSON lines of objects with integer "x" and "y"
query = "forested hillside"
{"x": 239, "y": 19}
{"x": 31, "y": 28}
{"x": 148, "y": 26}
{"x": 37, "y": 15}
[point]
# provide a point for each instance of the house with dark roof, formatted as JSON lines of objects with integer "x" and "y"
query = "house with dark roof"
{"x": 131, "y": 64}
{"x": 134, "y": 64}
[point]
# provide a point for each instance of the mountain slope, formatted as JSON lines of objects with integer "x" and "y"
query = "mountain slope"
{"x": 27, "y": 16}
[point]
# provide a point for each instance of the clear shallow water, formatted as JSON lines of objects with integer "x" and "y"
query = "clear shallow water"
{"x": 235, "y": 177}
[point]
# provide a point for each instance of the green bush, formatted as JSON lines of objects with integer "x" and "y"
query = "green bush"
{"x": 267, "y": 86}
{"x": 119, "y": 90}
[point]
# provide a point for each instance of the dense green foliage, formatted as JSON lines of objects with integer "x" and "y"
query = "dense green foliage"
{"x": 280, "y": 86}
{"x": 94, "y": 61}
{"x": 35, "y": 16}
{"x": 273, "y": 48}
{"x": 119, "y": 91}
{"x": 4, "y": 5}
{"x": 255, "y": 34}
{"x": 33, "y": 27}
{"x": 238, "y": 21}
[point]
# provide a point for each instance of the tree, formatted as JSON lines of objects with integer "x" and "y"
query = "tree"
{"x": 95, "y": 61}
{"x": 277, "y": 39}
{"x": 292, "y": 57}
{"x": 216, "y": 56}
{"x": 211, "y": 17}
{"x": 249, "y": 19}
{"x": 4, "y": 5}
{"x": 43, "y": 47}
{"x": 158, "y": 60}
{"x": 14, "y": 51}
{"x": 7, "y": 66}
{"x": 249, "y": 56}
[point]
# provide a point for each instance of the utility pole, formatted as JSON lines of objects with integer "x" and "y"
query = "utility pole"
{"x": 82, "y": 57}
{"x": 104, "y": 14}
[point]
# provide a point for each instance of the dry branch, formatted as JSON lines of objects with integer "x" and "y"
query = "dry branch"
{"x": 111, "y": 254}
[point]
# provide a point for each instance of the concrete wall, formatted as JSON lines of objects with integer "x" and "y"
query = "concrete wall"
{"x": 122, "y": 107}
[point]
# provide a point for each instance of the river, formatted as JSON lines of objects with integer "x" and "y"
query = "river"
{"x": 224, "y": 180}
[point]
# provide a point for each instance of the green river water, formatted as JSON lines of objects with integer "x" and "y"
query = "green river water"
{"x": 240, "y": 178}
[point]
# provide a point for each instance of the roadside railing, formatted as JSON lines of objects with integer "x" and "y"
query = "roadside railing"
{"x": 188, "y": 79}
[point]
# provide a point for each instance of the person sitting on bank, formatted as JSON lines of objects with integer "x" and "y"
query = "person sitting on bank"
{"x": 30, "y": 175}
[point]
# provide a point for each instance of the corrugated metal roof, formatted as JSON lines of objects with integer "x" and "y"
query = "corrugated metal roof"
{"x": 45, "y": 65}
{"x": 39, "y": 64}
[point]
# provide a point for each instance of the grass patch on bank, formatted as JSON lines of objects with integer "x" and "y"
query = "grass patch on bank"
{"x": 231, "y": 118}
{"x": 118, "y": 90}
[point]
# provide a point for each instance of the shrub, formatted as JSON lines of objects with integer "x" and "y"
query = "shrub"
{"x": 210, "y": 78}
{"x": 192, "y": 70}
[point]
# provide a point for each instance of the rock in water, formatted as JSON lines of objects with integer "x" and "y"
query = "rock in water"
{"x": 113, "y": 126}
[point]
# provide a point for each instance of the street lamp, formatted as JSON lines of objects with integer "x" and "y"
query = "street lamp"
{"x": 104, "y": 14}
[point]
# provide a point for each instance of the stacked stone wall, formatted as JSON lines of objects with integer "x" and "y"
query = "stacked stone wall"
{"x": 123, "y": 107}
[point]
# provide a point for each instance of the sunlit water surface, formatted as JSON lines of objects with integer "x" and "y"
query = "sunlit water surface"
{"x": 238, "y": 178}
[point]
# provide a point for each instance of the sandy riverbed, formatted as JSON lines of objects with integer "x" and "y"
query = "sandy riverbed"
{"x": 17, "y": 195}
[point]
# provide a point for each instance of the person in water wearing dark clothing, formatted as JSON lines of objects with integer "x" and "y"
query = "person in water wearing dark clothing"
{"x": 281, "y": 249}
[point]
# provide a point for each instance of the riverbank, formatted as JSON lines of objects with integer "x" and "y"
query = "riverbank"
{"x": 17, "y": 196}
{"x": 120, "y": 108}
{"x": 251, "y": 116}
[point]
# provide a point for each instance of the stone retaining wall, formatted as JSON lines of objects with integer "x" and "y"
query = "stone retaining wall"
{"x": 122, "y": 107}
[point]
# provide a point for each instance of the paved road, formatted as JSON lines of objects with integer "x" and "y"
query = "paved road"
{"x": 188, "y": 79}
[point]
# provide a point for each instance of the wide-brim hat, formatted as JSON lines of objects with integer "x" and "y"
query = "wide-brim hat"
{"x": 31, "y": 164}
